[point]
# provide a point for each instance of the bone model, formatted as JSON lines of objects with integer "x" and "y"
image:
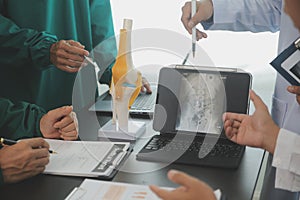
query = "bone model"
{"x": 126, "y": 80}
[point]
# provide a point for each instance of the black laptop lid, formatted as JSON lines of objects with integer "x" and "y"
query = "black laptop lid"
{"x": 193, "y": 99}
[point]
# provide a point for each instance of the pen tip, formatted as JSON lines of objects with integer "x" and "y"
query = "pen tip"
{"x": 193, "y": 54}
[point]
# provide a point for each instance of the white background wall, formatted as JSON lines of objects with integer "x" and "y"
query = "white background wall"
{"x": 251, "y": 52}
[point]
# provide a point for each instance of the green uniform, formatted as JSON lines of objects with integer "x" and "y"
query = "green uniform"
{"x": 28, "y": 29}
{"x": 21, "y": 120}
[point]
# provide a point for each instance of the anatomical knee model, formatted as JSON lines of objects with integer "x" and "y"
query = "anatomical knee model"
{"x": 126, "y": 80}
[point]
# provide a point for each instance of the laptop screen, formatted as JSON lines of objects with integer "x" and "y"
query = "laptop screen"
{"x": 194, "y": 100}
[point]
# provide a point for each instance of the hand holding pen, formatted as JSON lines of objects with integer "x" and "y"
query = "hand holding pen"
{"x": 68, "y": 55}
{"x": 4, "y": 141}
{"x": 24, "y": 159}
{"x": 204, "y": 11}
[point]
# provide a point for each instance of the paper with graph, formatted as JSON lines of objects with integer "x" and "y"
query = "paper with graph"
{"x": 96, "y": 190}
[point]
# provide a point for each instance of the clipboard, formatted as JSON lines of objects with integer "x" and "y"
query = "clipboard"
{"x": 117, "y": 167}
{"x": 95, "y": 159}
{"x": 287, "y": 63}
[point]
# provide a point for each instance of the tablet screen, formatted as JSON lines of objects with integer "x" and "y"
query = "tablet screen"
{"x": 202, "y": 101}
{"x": 195, "y": 100}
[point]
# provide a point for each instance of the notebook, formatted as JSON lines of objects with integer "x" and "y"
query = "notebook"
{"x": 142, "y": 107}
{"x": 188, "y": 115}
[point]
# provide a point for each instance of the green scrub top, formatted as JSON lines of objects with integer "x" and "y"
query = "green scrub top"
{"x": 21, "y": 120}
{"x": 27, "y": 31}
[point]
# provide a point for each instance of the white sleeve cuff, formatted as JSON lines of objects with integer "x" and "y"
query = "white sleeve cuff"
{"x": 287, "y": 161}
{"x": 287, "y": 150}
{"x": 287, "y": 180}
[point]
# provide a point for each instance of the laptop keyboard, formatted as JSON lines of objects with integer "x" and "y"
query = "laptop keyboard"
{"x": 217, "y": 150}
{"x": 144, "y": 102}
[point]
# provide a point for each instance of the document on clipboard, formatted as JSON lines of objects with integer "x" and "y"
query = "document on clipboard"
{"x": 287, "y": 63}
{"x": 86, "y": 158}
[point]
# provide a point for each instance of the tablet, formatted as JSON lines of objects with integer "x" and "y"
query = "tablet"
{"x": 193, "y": 99}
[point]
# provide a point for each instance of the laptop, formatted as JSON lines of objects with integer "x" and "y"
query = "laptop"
{"x": 188, "y": 115}
{"x": 143, "y": 106}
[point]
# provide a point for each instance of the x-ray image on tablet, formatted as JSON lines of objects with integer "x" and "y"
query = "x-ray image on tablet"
{"x": 202, "y": 103}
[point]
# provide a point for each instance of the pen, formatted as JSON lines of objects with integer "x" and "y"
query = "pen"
{"x": 91, "y": 61}
{"x": 194, "y": 8}
{"x": 186, "y": 58}
{"x": 97, "y": 70}
{"x": 12, "y": 142}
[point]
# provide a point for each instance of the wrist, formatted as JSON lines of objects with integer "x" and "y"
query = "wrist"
{"x": 41, "y": 125}
{"x": 52, "y": 50}
{"x": 207, "y": 9}
{"x": 210, "y": 10}
{"x": 209, "y": 19}
{"x": 270, "y": 141}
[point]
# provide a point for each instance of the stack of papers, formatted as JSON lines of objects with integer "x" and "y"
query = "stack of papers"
{"x": 85, "y": 158}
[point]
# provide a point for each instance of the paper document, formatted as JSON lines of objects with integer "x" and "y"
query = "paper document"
{"x": 103, "y": 190}
{"x": 94, "y": 189}
{"x": 83, "y": 158}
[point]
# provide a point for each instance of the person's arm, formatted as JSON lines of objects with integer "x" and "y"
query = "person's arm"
{"x": 244, "y": 15}
{"x": 256, "y": 130}
{"x": 27, "y": 47}
{"x": 36, "y": 48}
{"x": 259, "y": 130}
{"x": 19, "y": 120}
{"x": 105, "y": 49}
{"x": 233, "y": 15}
{"x": 286, "y": 159}
{"x": 24, "y": 120}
